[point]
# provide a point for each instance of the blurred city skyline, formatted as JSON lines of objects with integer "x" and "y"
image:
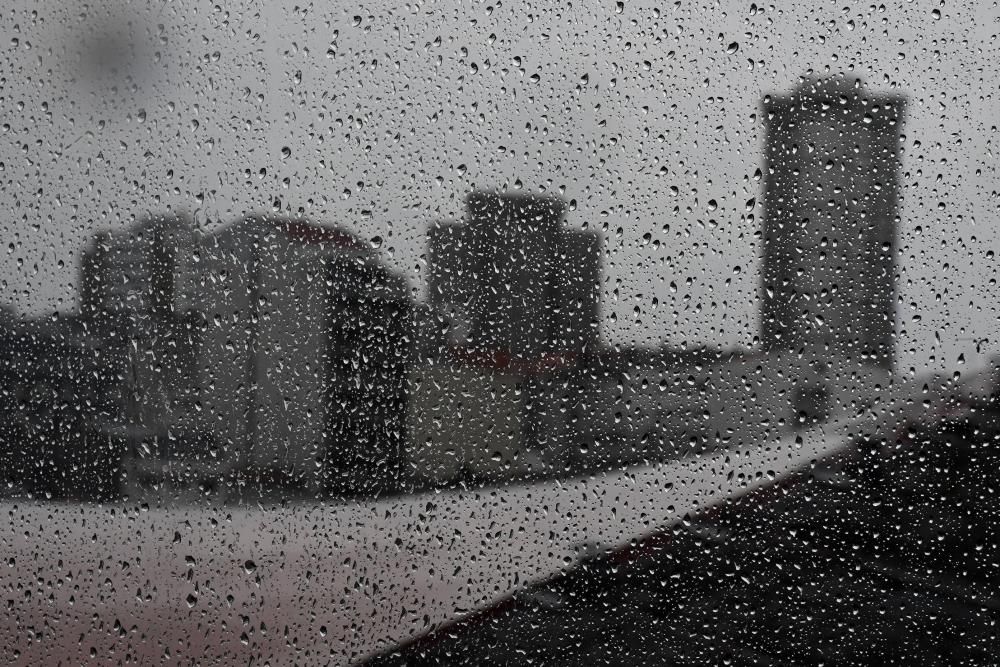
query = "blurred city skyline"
{"x": 646, "y": 143}
{"x": 581, "y": 333}
{"x": 274, "y": 353}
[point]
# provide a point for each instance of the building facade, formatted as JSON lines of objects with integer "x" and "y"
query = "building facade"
{"x": 135, "y": 317}
{"x": 514, "y": 296}
{"x": 514, "y": 280}
{"x": 831, "y": 211}
{"x": 302, "y": 376}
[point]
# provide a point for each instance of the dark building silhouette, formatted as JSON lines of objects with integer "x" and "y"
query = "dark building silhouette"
{"x": 366, "y": 349}
{"x": 56, "y": 393}
{"x": 517, "y": 283}
{"x": 831, "y": 211}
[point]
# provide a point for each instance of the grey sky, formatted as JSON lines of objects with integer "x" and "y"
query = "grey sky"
{"x": 380, "y": 120}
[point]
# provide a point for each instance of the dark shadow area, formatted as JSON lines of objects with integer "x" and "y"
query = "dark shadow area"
{"x": 886, "y": 554}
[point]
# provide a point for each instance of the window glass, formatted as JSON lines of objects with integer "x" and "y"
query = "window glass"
{"x": 496, "y": 332}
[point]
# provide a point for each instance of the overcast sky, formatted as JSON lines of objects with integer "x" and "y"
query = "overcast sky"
{"x": 381, "y": 119}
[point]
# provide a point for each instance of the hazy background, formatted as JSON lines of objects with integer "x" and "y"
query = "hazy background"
{"x": 381, "y": 119}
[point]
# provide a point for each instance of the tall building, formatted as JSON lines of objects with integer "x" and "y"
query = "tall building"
{"x": 132, "y": 312}
{"x": 302, "y": 377}
{"x": 514, "y": 280}
{"x": 831, "y": 211}
{"x": 519, "y": 294}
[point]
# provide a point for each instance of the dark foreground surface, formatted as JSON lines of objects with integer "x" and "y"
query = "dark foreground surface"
{"x": 888, "y": 556}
